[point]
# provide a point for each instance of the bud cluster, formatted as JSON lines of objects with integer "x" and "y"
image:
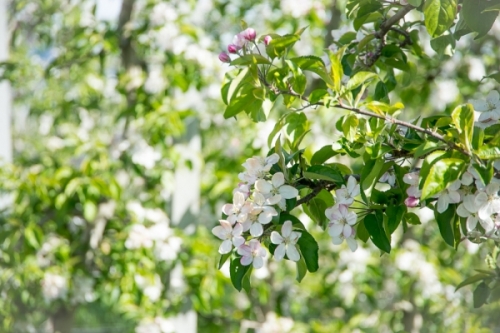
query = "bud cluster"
{"x": 241, "y": 43}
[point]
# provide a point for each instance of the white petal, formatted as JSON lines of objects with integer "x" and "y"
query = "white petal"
{"x": 351, "y": 184}
{"x": 238, "y": 240}
{"x": 263, "y": 186}
{"x": 258, "y": 262}
{"x": 286, "y": 230}
{"x": 487, "y": 224}
{"x": 470, "y": 203}
{"x": 225, "y": 247}
{"x": 272, "y": 159}
{"x": 462, "y": 211}
{"x": 278, "y": 179}
{"x": 484, "y": 212}
{"x": 471, "y": 223}
{"x": 479, "y": 105}
{"x": 274, "y": 199}
{"x": 237, "y": 230}
{"x": 244, "y": 250}
{"x": 442, "y": 203}
{"x": 351, "y": 218}
{"x": 454, "y": 196}
{"x": 220, "y": 232}
{"x": 279, "y": 253}
{"x": 347, "y": 230}
{"x": 259, "y": 199}
{"x": 292, "y": 253}
{"x": 267, "y": 215}
{"x": 353, "y": 245}
{"x": 227, "y": 209}
{"x": 467, "y": 179}
{"x": 238, "y": 199}
{"x": 493, "y": 97}
{"x": 276, "y": 238}
{"x": 337, "y": 240}
{"x": 246, "y": 260}
{"x": 288, "y": 192}
{"x": 492, "y": 188}
{"x": 256, "y": 229}
{"x": 294, "y": 237}
{"x": 335, "y": 230}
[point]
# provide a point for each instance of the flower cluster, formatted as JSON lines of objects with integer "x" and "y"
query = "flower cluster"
{"x": 241, "y": 42}
{"x": 489, "y": 110}
{"x": 342, "y": 220}
{"x": 255, "y": 202}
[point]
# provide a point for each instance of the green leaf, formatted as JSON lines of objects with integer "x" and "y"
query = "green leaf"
{"x": 301, "y": 269}
{"x": 472, "y": 279}
{"x": 223, "y": 259}
{"x": 427, "y": 147}
{"x": 463, "y": 119}
{"x": 476, "y": 18}
{"x": 350, "y": 127}
{"x": 359, "y": 79}
{"x": 317, "y": 206}
{"x": 370, "y": 173}
{"x": 485, "y": 172}
{"x": 441, "y": 174}
{"x": 415, "y": 3}
{"x": 313, "y": 64}
{"x": 412, "y": 218}
{"x": 280, "y": 45}
{"x": 245, "y": 102}
{"x": 89, "y": 210}
{"x": 428, "y": 162}
{"x": 439, "y": 15}
{"x": 30, "y": 236}
{"x": 488, "y": 152}
{"x": 481, "y": 294}
{"x": 309, "y": 249}
{"x": 395, "y": 216}
{"x": 444, "y": 45}
{"x": 446, "y": 222}
{"x": 249, "y": 59}
{"x": 324, "y": 172}
{"x": 492, "y": 8}
{"x": 322, "y": 155}
{"x": 495, "y": 76}
{"x": 377, "y": 233}
{"x": 336, "y": 69}
{"x": 237, "y": 272}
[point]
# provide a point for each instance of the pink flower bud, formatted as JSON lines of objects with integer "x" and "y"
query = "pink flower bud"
{"x": 249, "y": 34}
{"x": 411, "y": 202}
{"x": 267, "y": 40}
{"x": 231, "y": 48}
{"x": 224, "y": 57}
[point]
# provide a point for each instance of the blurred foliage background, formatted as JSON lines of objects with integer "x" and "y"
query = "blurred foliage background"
{"x": 109, "y": 97}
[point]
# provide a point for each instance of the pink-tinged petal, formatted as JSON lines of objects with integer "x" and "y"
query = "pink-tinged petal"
{"x": 351, "y": 218}
{"x": 288, "y": 192}
{"x": 244, "y": 250}
{"x": 261, "y": 252}
{"x": 335, "y": 230}
{"x": 254, "y": 244}
{"x": 220, "y": 232}
{"x": 278, "y": 179}
{"x": 286, "y": 229}
{"x": 227, "y": 209}
{"x": 337, "y": 240}
{"x": 232, "y": 219}
{"x": 292, "y": 253}
{"x": 330, "y": 211}
{"x": 414, "y": 191}
{"x": 238, "y": 199}
{"x": 256, "y": 229}
{"x": 225, "y": 247}
{"x": 411, "y": 202}
{"x": 258, "y": 262}
{"x": 242, "y": 217}
{"x": 351, "y": 242}
{"x": 279, "y": 253}
{"x": 442, "y": 203}
{"x": 238, "y": 241}
{"x": 487, "y": 224}
{"x": 343, "y": 210}
{"x": 272, "y": 159}
{"x": 263, "y": 186}
{"x": 246, "y": 225}
{"x": 237, "y": 230}
{"x": 347, "y": 232}
{"x": 246, "y": 260}
{"x": 471, "y": 223}
{"x": 276, "y": 238}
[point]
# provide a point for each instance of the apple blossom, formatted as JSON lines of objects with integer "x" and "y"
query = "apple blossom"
{"x": 231, "y": 48}
{"x": 412, "y": 180}
{"x": 231, "y": 235}
{"x": 286, "y": 242}
{"x": 489, "y": 109}
{"x": 351, "y": 241}
{"x": 252, "y": 253}
{"x": 249, "y": 34}
{"x": 224, "y": 57}
{"x": 341, "y": 221}
{"x": 267, "y": 40}
{"x": 138, "y": 237}
{"x": 488, "y": 201}
{"x": 260, "y": 214}
{"x": 54, "y": 286}
{"x": 238, "y": 210}
{"x": 448, "y": 196}
{"x": 257, "y": 168}
{"x": 276, "y": 190}
{"x": 388, "y": 177}
{"x": 345, "y": 195}
{"x": 412, "y": 202}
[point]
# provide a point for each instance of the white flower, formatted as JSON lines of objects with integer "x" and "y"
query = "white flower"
{"x": 467, "y": 178}
{"x": 151, "y": 288}
{"x": 238, "y": 210}
{"x": 54, "y": 287}
{"x": 468, "y": 209}
{"x": 351, "y": 241}
{"x": 230, "y": 236}
{"x": 448, "y": 196}
{"x": 412, "y": 180}
{"x": 276, "y": 190}
{"x": 341, "y": 221}
{"x": 388, "y": 177}
{"x": 286, "y": 242}
{"x": 345, "y": 195}
{"x": 168, "y": 249}
{"x": 257, "y": 168}
{"x": 138, "y": 237}
{"x": 488, "y": 201}
{"x": 260, "y": 214}
{"x": 253, "y": 252}
{"x": 490, "y": 109}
